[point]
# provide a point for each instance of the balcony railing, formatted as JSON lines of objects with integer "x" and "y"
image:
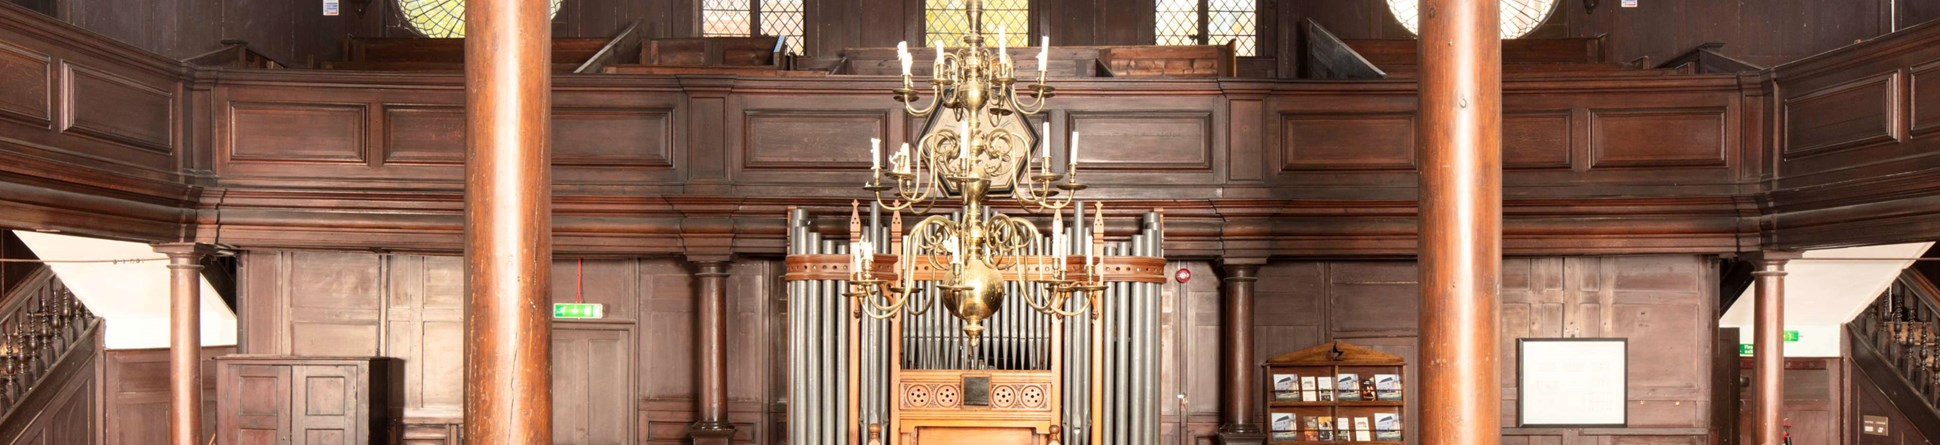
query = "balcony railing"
{"x": 40, "y": 323}
{"x": 1903, "y": 326}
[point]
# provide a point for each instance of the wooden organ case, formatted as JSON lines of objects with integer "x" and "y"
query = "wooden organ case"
{"x": 914, "y": 379}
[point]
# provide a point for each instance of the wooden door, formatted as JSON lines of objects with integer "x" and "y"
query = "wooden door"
{"x": 591, "y": 384}
{"x": 326, "y": 405}
{"x": 260, "y": 405}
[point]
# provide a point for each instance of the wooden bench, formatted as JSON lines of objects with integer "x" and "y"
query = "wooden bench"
{"x": 1199, "y": 61}
{"x": 747, "y": 56}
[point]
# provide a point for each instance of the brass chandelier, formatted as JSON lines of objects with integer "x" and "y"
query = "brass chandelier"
{"x": 985, "y": 154}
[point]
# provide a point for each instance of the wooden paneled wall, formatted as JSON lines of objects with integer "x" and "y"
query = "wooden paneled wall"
{"x": 1665, "y": 305}
{"x": 629, "y": 375}
{"x": 639, "y": 363}
{"x": 134, "y": 394}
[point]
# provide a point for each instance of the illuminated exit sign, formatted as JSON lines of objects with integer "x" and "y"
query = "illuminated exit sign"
{"x": 578, "y": 311}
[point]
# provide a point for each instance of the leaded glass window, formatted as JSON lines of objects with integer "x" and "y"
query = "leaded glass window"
{"x": 747, "y": 18}
{"x": 1518, "y": 16}
{"x": 444, "y": 19}
{"x": 949, "y": 20}
{"x": 1180, "y": 22}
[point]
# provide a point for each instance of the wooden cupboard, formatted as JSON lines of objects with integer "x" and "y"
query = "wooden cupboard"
{"x": 285, "y": 400}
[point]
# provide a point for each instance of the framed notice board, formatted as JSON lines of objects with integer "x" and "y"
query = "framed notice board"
{"x": 1571, "y": 382}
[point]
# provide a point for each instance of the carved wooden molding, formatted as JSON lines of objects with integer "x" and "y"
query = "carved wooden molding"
{"x": 1114, "y": 268}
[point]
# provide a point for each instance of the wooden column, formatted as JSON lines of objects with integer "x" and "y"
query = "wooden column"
{"x": 1768, "y": 350}
{"x": 508, "y": 223}
{"x": 1238, "y": 385}
{"x": 711, "y": 425}
{"x": 1461, "y": 222}
{"x": 184, "y": 341}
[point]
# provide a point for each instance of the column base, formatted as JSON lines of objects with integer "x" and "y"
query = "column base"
{"x": 1241, "y": 435}
{"x": 711, "y": 433}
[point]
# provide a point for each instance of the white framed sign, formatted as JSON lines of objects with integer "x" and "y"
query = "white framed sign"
{"x": 1572, "y": 382}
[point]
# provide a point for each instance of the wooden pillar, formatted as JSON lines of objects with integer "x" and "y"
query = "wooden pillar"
{"x": 508, "y": 223}
{"x": 1461, "y": 222}
{"x": 1238, "y": 384}
{"x": 711, "y": 424}
{"x": 184, "y": 341}
{"x": 1768, "y": 350}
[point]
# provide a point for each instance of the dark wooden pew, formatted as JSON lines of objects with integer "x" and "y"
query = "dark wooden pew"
{"x": 425, "y": 54}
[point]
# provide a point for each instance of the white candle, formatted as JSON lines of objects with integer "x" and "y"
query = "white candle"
{"x": 875, "y": 153}
{"x": 902, "y": 161}
{"x": 939, "y": 52}
{"x": 1003, "y": 40}
{"x": 1057, "y": 237}
{"x": 1074, "y": 147}
{"x": 1044, "y": 53}
{"x": 902, "y": 55}
{"x": 1047, "y": 140}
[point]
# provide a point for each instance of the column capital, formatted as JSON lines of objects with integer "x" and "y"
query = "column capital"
{"x": 184, "y": 250}
{"x": 1776, "y": 258}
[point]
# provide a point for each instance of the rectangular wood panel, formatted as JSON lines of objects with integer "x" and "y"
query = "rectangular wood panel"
{"x": 591, "y": 401}
{"x": 424, "y": 134}
{"x": 782, "y": 140}
{"x": 117, "y": 109}
{"x": 25, "y": 80}
{"x": 1536, "y": 140}
{"x": 329, "y": 400}
{"x": 1330, "y": 142}
{"x": 1144, "y": 141}
{"x": 1842, "y": 116}
{"x": 1657, "y": 138}
{"x": 612, "y": 137}
{"x": 271, "y": 132}
{"x": 1923, "y": 83}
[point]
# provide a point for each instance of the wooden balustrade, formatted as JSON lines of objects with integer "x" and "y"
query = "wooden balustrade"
{"x": 40, "y": 322}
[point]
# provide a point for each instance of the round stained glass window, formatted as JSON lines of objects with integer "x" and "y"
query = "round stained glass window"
{"x": 1518, "y": 16}
{"x": 443, "y": 19}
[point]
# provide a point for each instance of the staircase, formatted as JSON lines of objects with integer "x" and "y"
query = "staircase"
{"x": 49, "y": 343}
{"x": 1895, "y": 349}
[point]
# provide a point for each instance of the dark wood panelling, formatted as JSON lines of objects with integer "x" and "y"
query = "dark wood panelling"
{"x": 297, "y": 132}
{"x": 1143, "y": 142}
{"x": 424, "y": 134}
{"x": 785, "y": 140}
{"x": 1348, "y": 142}
{"x": 1657, "y": 138}
{"x": 1536, "y": 140}
{"x": 118, "y": 109}
{"x": 135, "y": 394}
{"x": 1923, "y": 85}
{"x": 28, "y": 75}
{"x": 612, "y": 137}
{"x": 1847, "y": 115}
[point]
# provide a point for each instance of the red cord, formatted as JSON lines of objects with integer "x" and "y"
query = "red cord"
{"x": 579, "y": 286}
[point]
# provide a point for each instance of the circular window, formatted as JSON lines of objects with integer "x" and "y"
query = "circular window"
{"x": 1518, "y": 16}
{"x": 441, "y": 18}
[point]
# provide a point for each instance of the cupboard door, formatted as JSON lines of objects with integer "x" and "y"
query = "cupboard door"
{"x": 261, "y": 402}
{"x": 591, "y": 392}
{"x": 326, "y": 403}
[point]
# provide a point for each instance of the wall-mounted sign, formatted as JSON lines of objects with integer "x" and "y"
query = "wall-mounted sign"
{"x": 1571, "y": 382}
{"x": 1873, "y": 425}
{"x": 578, "y": 311}
{"x": 1183, "y": 275}
{"x": 1629, "y": 3}
{"x": 331, "y": 7}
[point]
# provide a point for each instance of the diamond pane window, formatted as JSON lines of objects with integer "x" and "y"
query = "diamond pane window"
{"x": 1232, "y": 21}
{"x": 1518, "y": 16}
{"x": 442, "y": 19}
{"x": 949, "y": 20}
{"x": 1178, "y": 22}
{"x": 747, "y": 18}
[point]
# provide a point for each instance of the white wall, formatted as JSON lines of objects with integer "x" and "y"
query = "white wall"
{"x": 131, "y": 298}
{"x": 1822, "y": 295}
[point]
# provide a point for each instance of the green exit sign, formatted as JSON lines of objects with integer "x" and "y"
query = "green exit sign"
{"x": 1791, "y": 336}
{"x": 1744, "y": 349}
{"x": 579, "y": 311}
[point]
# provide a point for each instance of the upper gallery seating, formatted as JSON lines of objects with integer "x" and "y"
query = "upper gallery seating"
{"x": 423, "y": 54}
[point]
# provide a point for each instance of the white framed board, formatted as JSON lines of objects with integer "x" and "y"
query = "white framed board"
{"x": 1572, "y": 382}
